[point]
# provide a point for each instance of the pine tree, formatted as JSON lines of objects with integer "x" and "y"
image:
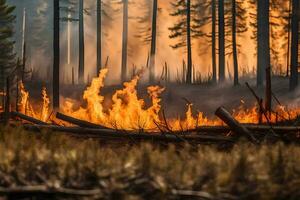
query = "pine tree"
{"x": 294, "y": 44}
{"x": 56, "y": 54}
{"x": 124, "y": 41}
{"x": 81, "y": 42}
{"x": 7, "y": 56}
{"x": 236, "y": 24}
{"x": 221, "y": 24}
{"x": 99, "y": 35}
{"x": 183, "y": 30}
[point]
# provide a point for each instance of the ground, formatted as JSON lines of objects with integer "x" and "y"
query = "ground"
{"x": 144, "y": 170}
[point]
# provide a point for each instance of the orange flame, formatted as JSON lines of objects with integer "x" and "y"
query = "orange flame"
{"x": 26, "y": 107}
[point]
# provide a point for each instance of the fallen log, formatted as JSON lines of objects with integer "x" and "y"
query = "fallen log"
{"x": 250, "y": 127}
{"x": 27, "y": 118}
{"x": 78, "y": 122}
{"x": 117, "y": 134}
{"x": 43, "y": 189}
{"x": 234, "y": 125}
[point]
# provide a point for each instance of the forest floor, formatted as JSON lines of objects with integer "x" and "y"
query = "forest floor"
{"x": 205, "y": 97}
{"x": 55, "y": 166}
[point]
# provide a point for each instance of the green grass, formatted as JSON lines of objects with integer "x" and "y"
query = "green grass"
{"x": 147, "y": 171}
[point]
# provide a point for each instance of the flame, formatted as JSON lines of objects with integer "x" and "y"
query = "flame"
{"x": 26, "y": 107}
{"x": 129, "y": 112}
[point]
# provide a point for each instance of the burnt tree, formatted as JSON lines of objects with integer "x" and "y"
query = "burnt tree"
{"x": 81, "y": 42}
{"x": 213, "y": 41}
{"x": 221, "y": 40}
{"x": 99, "y": 36}
{"x": 234, "y": 44}
{"x": 263, "y": 40}
{"x": 153, "y": 42}
{"x": 294, "y": 45}
{"x": 124, "y": 41}
{"x": 56, "y": 54}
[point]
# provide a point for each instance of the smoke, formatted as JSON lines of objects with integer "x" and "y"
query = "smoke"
{"x": 39, "y": 36}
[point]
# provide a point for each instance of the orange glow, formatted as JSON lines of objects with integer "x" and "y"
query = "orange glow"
{"x": 128, "y": 112}
{"x": 26, "y": 107}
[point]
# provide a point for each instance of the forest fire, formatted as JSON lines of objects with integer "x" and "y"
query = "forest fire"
{"x": 129, "y": 112}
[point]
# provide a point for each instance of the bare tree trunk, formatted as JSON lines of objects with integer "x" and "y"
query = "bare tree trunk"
{"x": 153, "y": 43}
{"x": 99, "y": 36}
{"x": 234, "y": 45}
{"x": 263, "y": 40}
{"x": 189, "y": 44}
{"x": 56, "y": 56}
{"x": 81, "y": 43}
{"x": 288, "y": 40}
{"x": 294, "y": 45}
{"x": 24, "y": 45}
{"x": 213, "y": 42}
{"x": 124, "y": 41}
{"x": 221, "y": 41}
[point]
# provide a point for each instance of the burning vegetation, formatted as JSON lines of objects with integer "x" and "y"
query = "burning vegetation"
{"x": 128, "y": 112}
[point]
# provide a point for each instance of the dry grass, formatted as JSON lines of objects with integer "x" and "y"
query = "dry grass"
{"x": 145, "y": 171}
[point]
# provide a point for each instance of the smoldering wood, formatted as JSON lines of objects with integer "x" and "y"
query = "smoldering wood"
{"x": 27, "y": 118}
{"x": 131, "y": 135}
{"x": 78, "y": 122}
{"x": 234, "y": 125}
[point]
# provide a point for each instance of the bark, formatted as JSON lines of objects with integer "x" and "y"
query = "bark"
{"x": 234, "y": 45}
{"x": 124, "y": 41}
{"x": 234, "y": 125}
{"x": 189, "y": 44}
{"x": 213, "y": 39}
{"x": 99, "y": 36}
{"x": 27, "y": 118}
{"x": 78, "y": 122}
{"x": 153, "y": 42}
{"x": 81, "y": 42}
{"x": 56, "y": 56}
{"x": 108, "y": 134}
{"x": 263, "y": 40}
{"x": 221, "y": 41}
{"x": 294, "y": 45}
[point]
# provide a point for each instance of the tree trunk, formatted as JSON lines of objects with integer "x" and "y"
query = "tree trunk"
{"x": 124, "y": 41}
{"x": 24, "y": 45}
{"x": 189, "y": 44}
{"x": 221, "y": 42}
{"x": 213, "y": 41}
{"x": 288, "y": 40}
{"x": 234, "y": 45}
{"x": 99, "y": 36}
{"x": 263, "y": 40}
{"x": 81, "y": 43}
{"x": 56, "y": 56}
{"x": 294, "y": 45}
{"x": 153, "y": 43}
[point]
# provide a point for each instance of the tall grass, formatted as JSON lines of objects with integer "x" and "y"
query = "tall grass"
{"x": 149, "y": 171}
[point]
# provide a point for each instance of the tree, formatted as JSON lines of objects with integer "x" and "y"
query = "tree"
{"x": 56, "y": 54}
{"x": 81, "y": 42}
{"x": 294, "y": 44}
{"x": 124, "y": 41}
{"x": 235, "y": 24}
{"x": 7, "y": 56}
{"x": 99, "y": 36}
{"x": 213, "y": 39}
{"x": 263, "y": 40}
{"x": 153, "y": 42}
{"x": 184, "y": 30}
{"x": 221, "y": 41}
